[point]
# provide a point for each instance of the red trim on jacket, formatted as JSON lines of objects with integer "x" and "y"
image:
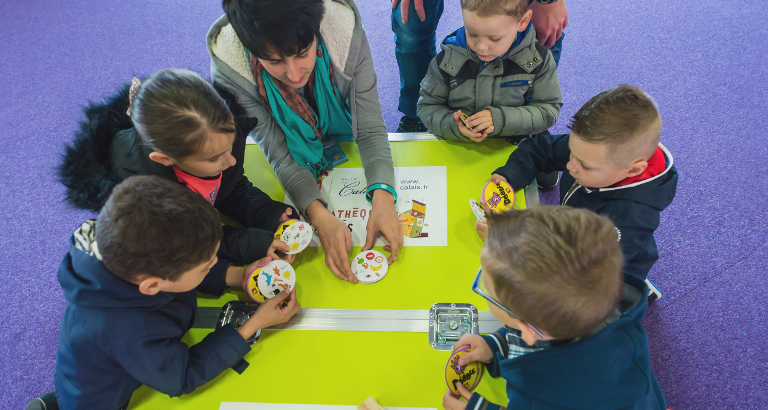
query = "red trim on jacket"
{"x": 656, "y": 165}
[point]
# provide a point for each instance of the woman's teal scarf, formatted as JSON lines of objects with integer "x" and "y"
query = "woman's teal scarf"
{"x": 332, "y": 119}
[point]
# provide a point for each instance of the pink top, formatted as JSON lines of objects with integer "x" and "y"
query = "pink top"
{"x": 208, "y": 188}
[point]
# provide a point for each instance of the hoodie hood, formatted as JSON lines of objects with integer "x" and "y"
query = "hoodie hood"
{"x": 86, "y": 282}
{"x": 614, "y": 357}
{"x": 458, "y": 41}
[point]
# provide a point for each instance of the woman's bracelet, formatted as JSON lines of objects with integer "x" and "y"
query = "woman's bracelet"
{"x": 369, "y": 192}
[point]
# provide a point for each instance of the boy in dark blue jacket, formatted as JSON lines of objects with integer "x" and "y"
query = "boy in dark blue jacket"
{"x": 572, "y": 337}
{"x": 130, "y": 279}
{"x": 612, "y": 164}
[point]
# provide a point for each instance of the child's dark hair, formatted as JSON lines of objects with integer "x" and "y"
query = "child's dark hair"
{"x": 624, "y": 116}
{"x": 175, "y": 110}
{"x": 556, "y": 267}
{"x": 153, "y": 226}
{"x": 269, "y": 28}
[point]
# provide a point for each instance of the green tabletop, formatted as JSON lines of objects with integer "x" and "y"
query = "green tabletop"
{"x": 343, "y": 367}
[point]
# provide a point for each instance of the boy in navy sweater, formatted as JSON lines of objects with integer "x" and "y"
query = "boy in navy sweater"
{"x": 130, "y": 279}
{"x": 612, "y": 164}
{"x": 572, "y": 336}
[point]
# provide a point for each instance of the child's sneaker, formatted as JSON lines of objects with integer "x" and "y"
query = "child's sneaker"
{"x": 408, "y": 124}
{"x": 547, "y": 181}
{"x": 44, "y": 402}
{"x": 653, "y": 292}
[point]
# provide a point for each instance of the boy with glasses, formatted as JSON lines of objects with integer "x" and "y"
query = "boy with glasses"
{"x": 572, "y": 336}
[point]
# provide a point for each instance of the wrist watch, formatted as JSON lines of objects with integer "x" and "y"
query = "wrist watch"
{"x": 546, "y": 1}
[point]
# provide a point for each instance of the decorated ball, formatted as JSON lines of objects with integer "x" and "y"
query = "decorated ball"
{"x": 498, "y": 197}
{"x": 469, "y": 375}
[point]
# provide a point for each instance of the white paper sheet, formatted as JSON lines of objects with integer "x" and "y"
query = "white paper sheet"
{"x": 421, "y": 204}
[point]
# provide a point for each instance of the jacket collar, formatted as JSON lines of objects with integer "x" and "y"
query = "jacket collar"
{"x": 522, "y": 52}
{"x": 670, "y": 163}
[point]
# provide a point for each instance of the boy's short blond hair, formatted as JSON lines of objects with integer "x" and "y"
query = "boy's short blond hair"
{"x": 487, "y": 8}
{"x": 556, "y": 267}
{"x": 624, "y": 117}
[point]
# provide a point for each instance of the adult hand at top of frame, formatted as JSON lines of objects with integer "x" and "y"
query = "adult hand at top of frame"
{"x": 384, "y": 219}
{"x": 335, "y": 239}
{"x": 418, "y": 4}
{"x": 549, "y": 21}
{"x": 453, "y": 402}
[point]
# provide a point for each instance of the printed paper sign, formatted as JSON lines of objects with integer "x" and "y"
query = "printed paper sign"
{"x": 421, "y": 204}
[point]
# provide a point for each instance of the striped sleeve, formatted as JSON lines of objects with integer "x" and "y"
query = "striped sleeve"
{"x": 478, "y": 402}
{"x": 497, "y": 341}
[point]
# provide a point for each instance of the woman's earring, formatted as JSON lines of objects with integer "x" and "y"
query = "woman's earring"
{"x": 319, "y": 53}
{"x": 261, "y": 67}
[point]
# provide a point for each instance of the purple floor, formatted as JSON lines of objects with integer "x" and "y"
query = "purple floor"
{"x": 703, "y": 61}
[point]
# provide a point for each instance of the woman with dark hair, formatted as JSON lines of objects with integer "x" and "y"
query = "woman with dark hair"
{"x": 303, "y": 72}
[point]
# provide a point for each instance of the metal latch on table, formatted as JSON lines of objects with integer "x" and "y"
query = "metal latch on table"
{"x": 448, "y": 322}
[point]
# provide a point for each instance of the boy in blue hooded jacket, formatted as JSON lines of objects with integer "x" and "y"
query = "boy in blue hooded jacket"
{"x": 572, "y": 336}
{"x": 129, "y": 280}
{"x": 612, "y": 164}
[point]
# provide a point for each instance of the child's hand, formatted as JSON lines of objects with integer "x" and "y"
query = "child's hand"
{"x": 270, "y": 313}
{"x": 474, "y": 136}
{"x": 478, "y": 350}
{"x": 242, "y": 278}
{"x": 496, "y": 178}
{"x": 481, "y": 122}
{"x": 452, "y": 402}
{"x": 280, "y": 246}
{"x": 286, "y": 215}
{"x": 482, "y": 229}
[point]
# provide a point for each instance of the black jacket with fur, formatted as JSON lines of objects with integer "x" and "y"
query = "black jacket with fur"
{"x": 107, "y": 149}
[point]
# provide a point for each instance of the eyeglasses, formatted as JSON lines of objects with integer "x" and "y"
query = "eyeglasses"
{"x": 479, "y": 288}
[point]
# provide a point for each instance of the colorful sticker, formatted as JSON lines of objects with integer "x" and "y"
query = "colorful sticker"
{"x": 468, "y": 375}
{"x": 297, "y": 236}
{"x": 370, "y": 266}
{"x": 412, "y": 220}
{"x": 274, "y": 278}
{"x": 283, "y": 226}
{"x": 498, "y": 197}
{"x": 477, "y": 209}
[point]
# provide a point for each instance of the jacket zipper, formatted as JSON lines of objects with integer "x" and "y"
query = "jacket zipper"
{"x": 517, "y": 83}
{"x": 575, "y": 187}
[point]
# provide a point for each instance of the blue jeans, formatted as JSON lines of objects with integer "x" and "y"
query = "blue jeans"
{"x": 415, "y": 49}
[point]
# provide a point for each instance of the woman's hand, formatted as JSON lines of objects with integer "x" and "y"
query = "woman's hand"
{"x": 384, "y": 219}
{"x": 335, "y": 239}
